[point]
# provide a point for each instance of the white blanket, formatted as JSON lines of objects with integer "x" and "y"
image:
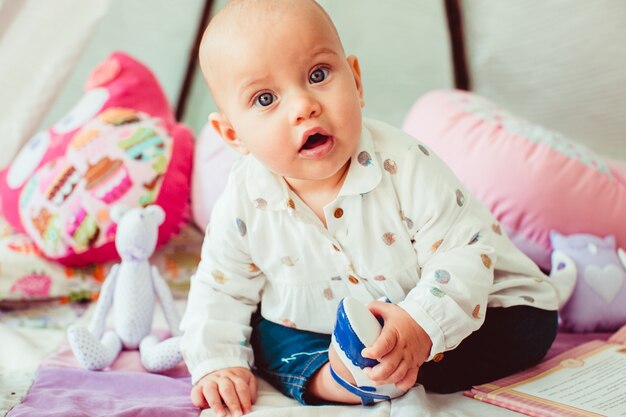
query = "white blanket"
{"x": 25, "y": 343}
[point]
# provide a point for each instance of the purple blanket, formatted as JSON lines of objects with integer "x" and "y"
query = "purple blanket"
{"x": 125, "y": 389}
{"x": 73, "y": 392}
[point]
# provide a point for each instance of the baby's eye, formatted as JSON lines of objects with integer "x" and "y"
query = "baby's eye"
{"x": 264, "y": 99}
{"x": 318, "y": 75}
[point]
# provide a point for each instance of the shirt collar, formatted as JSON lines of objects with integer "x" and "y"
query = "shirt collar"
{"x": 270, "y": 191}
{"x": 365, "y": 172}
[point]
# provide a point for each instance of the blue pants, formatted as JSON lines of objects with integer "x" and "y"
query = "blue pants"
{"x": 510, "y": 340}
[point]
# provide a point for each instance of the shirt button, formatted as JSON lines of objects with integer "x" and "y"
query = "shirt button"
{"x": 353, "y": 279}
{"x": 438, "y": 357}
{"x": 338, "y": 212}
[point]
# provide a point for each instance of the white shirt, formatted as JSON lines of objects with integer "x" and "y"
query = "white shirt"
{"x": 402, "y": 227}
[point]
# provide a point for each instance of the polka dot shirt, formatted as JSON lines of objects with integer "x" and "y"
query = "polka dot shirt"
{"x": 402, "y": 227}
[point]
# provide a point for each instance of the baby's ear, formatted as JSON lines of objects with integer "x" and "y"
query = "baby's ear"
{"x": 156, "y": 212}
{"x": 353, "y": 62}
{"x": 222, "y": 126}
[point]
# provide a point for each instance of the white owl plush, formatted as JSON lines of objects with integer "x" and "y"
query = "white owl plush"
{"x": 131, "y": 290}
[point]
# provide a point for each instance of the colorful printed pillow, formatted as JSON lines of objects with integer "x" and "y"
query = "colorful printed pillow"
{"x": 5, "y": 228}
{"x": 26, "y": 275}
{"x": 532, "y": 179}
{"x": 178, "y": 259}
{"x": 212, "y": 159}
{"x": 120, "y": 143}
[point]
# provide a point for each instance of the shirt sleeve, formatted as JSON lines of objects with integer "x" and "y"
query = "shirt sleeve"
{"x": 452, "y": 239}
{"x": 224, "y": 293}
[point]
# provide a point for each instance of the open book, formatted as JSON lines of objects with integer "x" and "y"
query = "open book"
{"x": 588, "y": 380}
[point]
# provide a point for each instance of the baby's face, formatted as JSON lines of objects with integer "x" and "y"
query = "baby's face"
{"x": 291, "y": 96}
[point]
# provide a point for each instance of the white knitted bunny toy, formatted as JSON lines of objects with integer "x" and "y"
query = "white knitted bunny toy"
{"x": 130, "y": 288}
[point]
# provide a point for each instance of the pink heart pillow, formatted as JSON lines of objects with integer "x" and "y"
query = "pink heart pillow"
{"x": 532, "y": 179}
{"x": 119, "y": 144}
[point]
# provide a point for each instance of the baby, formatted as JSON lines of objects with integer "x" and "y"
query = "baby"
{"x": 325, "y": 207}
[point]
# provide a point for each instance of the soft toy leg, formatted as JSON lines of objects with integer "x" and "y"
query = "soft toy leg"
{"x": 91, "y": 353}
{"x": 160, "y": 356}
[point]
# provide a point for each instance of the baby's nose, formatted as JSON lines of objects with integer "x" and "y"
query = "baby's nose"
{"x": 305, "y": 107}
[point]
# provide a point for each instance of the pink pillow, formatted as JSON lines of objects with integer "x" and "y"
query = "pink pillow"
{"x": 532, "y": 179}
{"x": 119, "y": 144}
{"x": 211, "y": 165}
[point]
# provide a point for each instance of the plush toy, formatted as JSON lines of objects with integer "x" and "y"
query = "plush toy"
{"x": 131, "y": 290}
{"x": 590, "y": 276}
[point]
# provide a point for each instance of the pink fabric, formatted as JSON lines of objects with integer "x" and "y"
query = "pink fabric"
{"x": 212, "y": 162}
{"x": 565, "y": 341}
{"x": 532, "y": 179}
{"x": 127, "y": 360}
{"x": 120, "y": 144}
{"x": 619, "y": 170}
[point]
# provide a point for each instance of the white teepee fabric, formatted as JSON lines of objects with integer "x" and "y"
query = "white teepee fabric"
{"x": 40, "y": 42}
{"x": 556, "y": 63}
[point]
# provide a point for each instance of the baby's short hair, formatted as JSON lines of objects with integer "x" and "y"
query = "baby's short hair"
{"x": 223, "y": 23}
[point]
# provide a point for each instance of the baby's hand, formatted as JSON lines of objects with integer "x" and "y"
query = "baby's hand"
{"x": 236, "y": 387}
{"x": 401, "y": 348}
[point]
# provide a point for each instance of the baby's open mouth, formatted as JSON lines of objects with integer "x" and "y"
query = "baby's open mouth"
{"x": 314, "y": 141}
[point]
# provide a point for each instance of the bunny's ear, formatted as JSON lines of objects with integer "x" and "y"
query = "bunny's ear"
{"x": 117, "y": 211}
{"x": 155, "y": 212}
